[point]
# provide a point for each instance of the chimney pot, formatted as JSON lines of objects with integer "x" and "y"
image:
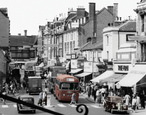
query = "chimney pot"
{"x": 25, "y": 32}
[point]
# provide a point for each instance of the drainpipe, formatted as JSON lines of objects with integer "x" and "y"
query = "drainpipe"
{"x": 118, "y": 40}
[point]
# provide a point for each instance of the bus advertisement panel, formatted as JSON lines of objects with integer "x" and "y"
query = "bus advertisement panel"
{"x": 65, "y": 85}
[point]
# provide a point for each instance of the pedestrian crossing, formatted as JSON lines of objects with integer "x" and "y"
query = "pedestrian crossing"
{"x": 49, "y": 106}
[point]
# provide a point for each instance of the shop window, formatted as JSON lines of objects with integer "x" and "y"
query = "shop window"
{"x": 143, "y": 52}
{"x": 142, "y": 23}
{"x": 125, "y": 56}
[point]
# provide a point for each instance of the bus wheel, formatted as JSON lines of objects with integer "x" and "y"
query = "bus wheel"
{"x": 54, "y": 95}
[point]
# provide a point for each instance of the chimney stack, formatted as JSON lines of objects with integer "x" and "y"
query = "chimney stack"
{"x": 80, "y": 12}
{"x": 91, "y": 10}
{"x": 92, "y": 16}
{"x": 115, "y": 11}
{"x": 25, "y": 32}
{"x": 110, "y": 9}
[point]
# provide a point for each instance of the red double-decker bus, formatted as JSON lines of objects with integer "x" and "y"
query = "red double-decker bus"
{"x": 65, "y": 85}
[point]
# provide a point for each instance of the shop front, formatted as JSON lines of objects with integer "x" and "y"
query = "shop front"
{"x": 135, "y": 78}
{"x": 86, "y": 76}
{"x": 112, "y": 80}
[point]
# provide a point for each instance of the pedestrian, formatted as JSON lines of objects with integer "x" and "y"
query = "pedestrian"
{"x": 127, "y": 99}
{"x": 98, "y": 97}
{"x": 137, "y": 101}
{"x": 73, "y": 99}
{"x": 45, "y": 97}
{"x": 94, "y": 93}
{"x": 134, "y": 103}
{"x": 4, "y": 93}
{"x": 40, "y": 98}
{"x": 142, "y": 100}
{"x": 89, "y": 90}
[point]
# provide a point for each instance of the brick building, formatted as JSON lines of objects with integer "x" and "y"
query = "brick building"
{"x": 91, "y": 32}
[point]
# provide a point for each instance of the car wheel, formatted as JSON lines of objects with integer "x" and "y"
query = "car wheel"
{"x": 18, "y": 110}
{"x": 105, "y": 109}
{"x": 112, "y": 112}
{"x": 33, "y": 111}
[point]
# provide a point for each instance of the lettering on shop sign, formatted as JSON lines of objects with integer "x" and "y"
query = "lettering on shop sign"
{"x": 123, "y": 67}
{"x": 138, "y": 72}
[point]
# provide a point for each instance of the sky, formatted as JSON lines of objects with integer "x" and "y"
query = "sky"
{"x": 30, "y": 14}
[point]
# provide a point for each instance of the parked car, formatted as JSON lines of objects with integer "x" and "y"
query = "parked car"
{"x": 115, "y": 103}
{"x": 28, "y": 99}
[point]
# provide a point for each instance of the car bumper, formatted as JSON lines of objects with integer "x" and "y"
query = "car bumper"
{"x": 119, "y": 110}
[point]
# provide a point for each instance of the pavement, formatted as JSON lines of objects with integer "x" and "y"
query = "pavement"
{"x": 138, "y": 112}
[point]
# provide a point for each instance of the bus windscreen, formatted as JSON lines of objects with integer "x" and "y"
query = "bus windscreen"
{"x": 69, "y": 86}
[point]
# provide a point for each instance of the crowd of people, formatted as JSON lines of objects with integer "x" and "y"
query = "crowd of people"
{"x": 9, "y": 88}
{"x": 100, "y": 93}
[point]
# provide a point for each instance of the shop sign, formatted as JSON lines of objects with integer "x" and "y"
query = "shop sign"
{"x": 68, "y": 56}
{"x": 122, "y": 68}
{"x": 88, "y": 67}
{"x": 74, "y": 63}
{"x": 137, "y": 72}
{"x": 118, "y": 86}
{"x": 80, "y": 64}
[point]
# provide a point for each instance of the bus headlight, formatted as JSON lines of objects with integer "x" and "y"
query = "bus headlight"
{"x": 63, "y": 94}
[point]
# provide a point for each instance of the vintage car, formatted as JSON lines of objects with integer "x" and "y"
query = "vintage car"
{"x": 28, "y": 99}
{"x": 115, "y": 103}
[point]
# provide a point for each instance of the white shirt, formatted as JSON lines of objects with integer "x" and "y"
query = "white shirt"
{"x": 102, "y": 90}
{"x": 97, "y": 92}
{"x": 133, "y": 101}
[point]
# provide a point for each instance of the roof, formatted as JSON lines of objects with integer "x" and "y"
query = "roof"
{"x": 70, "y": 16}
{"x": 91, "y": 46}
{"x": 22, "y": 40}
{"x": 143, "y": 1}
{"x": 128, "y": 26}
{"x": 103, "y": 10}
{"x": 62, "y": 77}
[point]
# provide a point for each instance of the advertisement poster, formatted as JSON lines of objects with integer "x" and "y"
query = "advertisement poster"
{"x": 74, "y": 63}
{"x": 80, "y": 64}
{"x": 88, "y": 67}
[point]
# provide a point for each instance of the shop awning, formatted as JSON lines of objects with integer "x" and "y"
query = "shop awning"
{"x": 104, "y": 75}
{"x": 41, "y": 65}
{"x": 83, "y": 74}
{"x": 114, "y": 78}
{"x": 75, "y": 71}
{"x": 137, "y": 38}
{"x": 135, "y": 75}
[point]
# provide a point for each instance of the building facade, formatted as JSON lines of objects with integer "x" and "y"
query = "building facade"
{"x": 114, "y": 37}
{"x": 23, "y": 47}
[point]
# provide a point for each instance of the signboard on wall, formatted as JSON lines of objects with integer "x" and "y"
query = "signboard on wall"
{"x": 88, "y": 67}
{"x": 95, "y": 68}
{"x": 80, "y": 64}
{"x": 74, "y": 63}
{"x": 122, "y": 68}
{"x": 68, "y": 56}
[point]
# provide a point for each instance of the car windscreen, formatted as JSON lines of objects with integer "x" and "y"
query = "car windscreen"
{"x": 29, "y": 100}
{"x": 116, "y": 100}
